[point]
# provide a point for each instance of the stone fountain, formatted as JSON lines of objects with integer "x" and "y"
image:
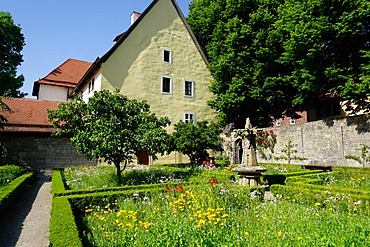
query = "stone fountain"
{"x": 249, "y": 172}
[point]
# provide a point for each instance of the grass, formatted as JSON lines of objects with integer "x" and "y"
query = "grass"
{"x": 9, "y": 172}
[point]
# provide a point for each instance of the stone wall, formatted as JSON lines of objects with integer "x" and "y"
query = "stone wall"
{"x": 324, "y": 142}
{"x": 40, "y": 151}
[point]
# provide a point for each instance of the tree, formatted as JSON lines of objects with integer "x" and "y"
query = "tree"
{"x": 112, "y": 127}
{"x": 11, "y": 45}
{"x": 270, "y": 57}
{"x": 194, "y": 140}
{"x": 3, "y": 108}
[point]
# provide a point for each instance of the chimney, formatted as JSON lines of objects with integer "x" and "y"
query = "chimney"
{"x": 134, "y": 16}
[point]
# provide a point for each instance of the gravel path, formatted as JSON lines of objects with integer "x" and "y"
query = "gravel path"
{"x": 28, "y": 221}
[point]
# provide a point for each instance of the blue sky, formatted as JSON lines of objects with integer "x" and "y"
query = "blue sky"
{"x": 79, "y": 29}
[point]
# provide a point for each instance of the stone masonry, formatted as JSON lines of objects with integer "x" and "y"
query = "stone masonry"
{"x": 41, "y": 152}
{"x": 324, "y": 142}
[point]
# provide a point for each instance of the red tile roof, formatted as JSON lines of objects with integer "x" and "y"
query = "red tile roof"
{"x": 28, "y": 115}
{"x": 68, "y": 74}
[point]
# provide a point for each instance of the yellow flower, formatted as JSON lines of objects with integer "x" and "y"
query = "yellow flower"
{"x": 246, "y": 234}
{"x": 280, "y": 234}
{"x": 264, "y": 218}
{"x": 299, "y": 238}
{"x": 317, "y": 204}
{"x": 330, "y": 209}
{"x": 146, "y": 225}
{"x": 224, "y": 216}
{"x": 317, "y": 214}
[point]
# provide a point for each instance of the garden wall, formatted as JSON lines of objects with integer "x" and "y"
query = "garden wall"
{"x": 40, "y": 151}
{"x": 323, "y": 142}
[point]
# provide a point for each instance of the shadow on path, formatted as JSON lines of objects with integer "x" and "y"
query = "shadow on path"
{"x": 11, "y": 222}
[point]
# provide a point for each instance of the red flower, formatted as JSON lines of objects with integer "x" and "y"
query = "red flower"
{"x": 179, "y": 188}
{"x": 168, "y": 189}
{"x": 212, "y": 181}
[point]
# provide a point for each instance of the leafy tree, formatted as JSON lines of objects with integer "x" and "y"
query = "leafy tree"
{"x": 11, "y": 45}
{"x": 3, "y": 108}
{"x": 112, "y": 127}
{"x": 270, "y": 57}
{"x": 194, "y": 140}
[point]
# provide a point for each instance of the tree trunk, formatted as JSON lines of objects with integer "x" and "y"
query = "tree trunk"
{"x": 118, "y": 167}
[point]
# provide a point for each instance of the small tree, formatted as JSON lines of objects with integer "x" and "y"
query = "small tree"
{"x": 194, "y": 140}
{"x": 112, "y": 127}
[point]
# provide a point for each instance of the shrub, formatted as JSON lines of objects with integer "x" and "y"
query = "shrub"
{"x": 10, "y": 192}
{"x": 10, "y": 172}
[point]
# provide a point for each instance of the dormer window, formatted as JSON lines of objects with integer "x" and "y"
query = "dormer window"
{"x": 167, "y": 56}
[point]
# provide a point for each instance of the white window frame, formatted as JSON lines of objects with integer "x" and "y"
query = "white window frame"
{"x": 192, "y": 89}
{"x": 170, "y": 56}
{"x": 187, "y": 117}
{"x": 167, "y": 77}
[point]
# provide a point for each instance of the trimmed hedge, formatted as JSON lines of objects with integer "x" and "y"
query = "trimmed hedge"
{"x": 11, "y": 191}
{"x": 283, "y": 178}
{"x": 57, "y": 182}
{"x": 63, "y": 228}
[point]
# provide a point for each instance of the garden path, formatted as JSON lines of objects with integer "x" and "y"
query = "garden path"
{"x": 28, "y": 221}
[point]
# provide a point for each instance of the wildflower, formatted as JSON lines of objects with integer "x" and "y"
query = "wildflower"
{"x": 224, "y": 216}
{"x": 317, "y": 204}
{"x": 179, "y": 188}
{"x": 280, "y": 234}
{"x": 212, "y": 181}
{"x": 168, "y": 189}
{"x": 246, "y": 234}
{"x": 299, "y": 238}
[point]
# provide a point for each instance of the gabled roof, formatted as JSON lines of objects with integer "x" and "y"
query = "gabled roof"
{"x": 122, "y": 37}
{"x": 68, "y": 74}
{"x": 28, "y": 115}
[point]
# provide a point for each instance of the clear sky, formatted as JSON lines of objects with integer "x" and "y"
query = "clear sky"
{"x": 58, "y": 30}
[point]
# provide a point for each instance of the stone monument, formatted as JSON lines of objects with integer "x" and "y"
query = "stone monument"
{"x": 249, "y": 172}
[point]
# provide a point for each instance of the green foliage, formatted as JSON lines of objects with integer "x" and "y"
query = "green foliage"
{"x": 194, "y": 140}
{"x": 9, "y": 172}
{"x": 112, "y": 127}
{"x": 10, "y": 192}
{"x": 57, "y": 181}
{"x": 63, "y": 228}
{"x": 273, "y": 57}
{"x": 11, "y": 45}
{"x": 3, "y": 108}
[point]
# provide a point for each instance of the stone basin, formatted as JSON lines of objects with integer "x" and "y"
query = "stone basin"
{"x": 249, "y": 169}
{"x": 249, "y": 175}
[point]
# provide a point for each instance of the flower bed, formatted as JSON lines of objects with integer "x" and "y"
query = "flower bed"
{"x": 208, "y": 210}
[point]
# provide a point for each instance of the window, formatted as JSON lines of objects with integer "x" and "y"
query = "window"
{"x": 292, "y": 120}
{"x": 166, "y": 85}
{"x": 189, "y": 88}
{"x": 189, "y": 117}
{"x": 167, "y": 56}
{"x": 328, "y": 110}
{"x": 91, "y": 85}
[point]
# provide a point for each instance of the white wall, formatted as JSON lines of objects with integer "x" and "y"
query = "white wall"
{"x": 52, "y": 93}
